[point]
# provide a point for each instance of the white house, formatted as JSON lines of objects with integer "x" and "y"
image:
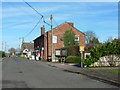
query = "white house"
{"x": 27, "y": 50}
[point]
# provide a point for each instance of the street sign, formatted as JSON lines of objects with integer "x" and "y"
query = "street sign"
{"x": 81, "y": 48}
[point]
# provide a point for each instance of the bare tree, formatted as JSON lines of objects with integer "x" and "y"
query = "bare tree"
{"x": 89, "y": 36}
{"x": 18, "y": 50}
{"x": 109, "y": 39}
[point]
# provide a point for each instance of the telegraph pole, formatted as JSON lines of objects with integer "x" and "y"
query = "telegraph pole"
{"x": 51, "y": 39}
{"x": 19, "y": 43}
{"x": 5, "y": 47}
{"x": 2, "y": 45}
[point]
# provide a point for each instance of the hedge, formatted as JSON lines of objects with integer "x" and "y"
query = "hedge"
{"x": 73, "y": 59}
{"x": 106, "y": 48}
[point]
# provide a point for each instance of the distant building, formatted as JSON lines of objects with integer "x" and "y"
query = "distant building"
{"x": 42, "y": 44}
{"x": 27, "y": 50}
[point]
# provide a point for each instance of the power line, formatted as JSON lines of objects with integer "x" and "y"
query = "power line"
{"x": 46, "y": 22}
{"x": 33, "y": 8}
{"x": 34, "y": 27}
{"x": 37, "y": 12}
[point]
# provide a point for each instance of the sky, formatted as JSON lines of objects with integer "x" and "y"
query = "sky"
{"x": 18, "y": 19}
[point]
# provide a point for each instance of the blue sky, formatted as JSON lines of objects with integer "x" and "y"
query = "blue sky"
{"x": 18, "y": 19}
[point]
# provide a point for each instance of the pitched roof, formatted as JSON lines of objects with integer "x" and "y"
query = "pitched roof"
{"x": 59, "y": 28}
{"x": 29, "y": 46}
{"x": 67, "y": 24}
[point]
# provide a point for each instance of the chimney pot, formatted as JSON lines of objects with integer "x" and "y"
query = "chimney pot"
{"x": 71, "y": 23}
{"x": 42, "y": 30}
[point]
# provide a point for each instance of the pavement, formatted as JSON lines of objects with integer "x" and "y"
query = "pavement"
{"x": 23, "y": 73}
{"x": 95, "y": 73}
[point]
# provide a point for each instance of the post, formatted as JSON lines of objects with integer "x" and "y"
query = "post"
{"x": 19, "y": 43}
{"x": 51, "y": 39}
{"x": 2, "y": 45}
{"x": 5, "y": 47}
{"x": 81, "y": 59}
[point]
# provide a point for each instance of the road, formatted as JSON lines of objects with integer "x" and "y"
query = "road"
{"x": 23, "y": 73}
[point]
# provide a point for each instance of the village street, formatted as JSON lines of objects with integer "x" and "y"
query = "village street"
{"x": 23, "y": 73}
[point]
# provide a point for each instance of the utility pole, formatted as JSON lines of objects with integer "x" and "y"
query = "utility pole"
{"x": 2, "y": 45}
{"x": 51, "y": 39}
{"x": 5, "y": 46}
{"x": 19, "y": 43}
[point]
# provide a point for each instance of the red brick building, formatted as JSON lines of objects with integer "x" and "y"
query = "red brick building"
{"x": 44, "y": 41}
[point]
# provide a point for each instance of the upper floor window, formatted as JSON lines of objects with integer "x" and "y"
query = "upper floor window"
{"x": 54, "y": 39}
{"x": 77, "y": 38}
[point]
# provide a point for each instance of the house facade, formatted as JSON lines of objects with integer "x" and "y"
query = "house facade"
{"x": 42, "y": 44}
{"x": 27, "y": 50}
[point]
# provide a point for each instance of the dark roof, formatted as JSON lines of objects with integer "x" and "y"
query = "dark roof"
{"x": 90, "y": 45}
{"x": 29, "y": 46}
{"x": 38, "y": 37}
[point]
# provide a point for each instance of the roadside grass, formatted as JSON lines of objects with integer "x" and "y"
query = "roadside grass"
{"x": 43, "y": 60}
{"x": 100, "y": 67}
{"x": 112, "y": 71}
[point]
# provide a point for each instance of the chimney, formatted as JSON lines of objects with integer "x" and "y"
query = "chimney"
{"x": 42, "y": 30}
{"x": 71, "y": 23}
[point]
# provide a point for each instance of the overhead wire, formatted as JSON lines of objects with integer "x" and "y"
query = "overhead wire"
{"x": 33, "y": 27}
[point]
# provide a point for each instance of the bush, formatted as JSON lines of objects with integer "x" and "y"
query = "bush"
{"x": 2, "y": 54}
{"x": 73, "y": 59}
{"x": 107, "y": 48}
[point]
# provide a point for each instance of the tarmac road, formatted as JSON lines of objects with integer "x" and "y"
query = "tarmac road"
{"x": 23, "y": 73}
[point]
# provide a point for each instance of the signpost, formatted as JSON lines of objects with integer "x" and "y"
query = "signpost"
{"x": 81, "y": 49}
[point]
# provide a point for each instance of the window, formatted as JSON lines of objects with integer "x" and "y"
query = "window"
{"x": 63, "y": 52}
{"x": 54, "y": 39}
{"x": 77, "y": 38}
{"x": 58, "y": 52}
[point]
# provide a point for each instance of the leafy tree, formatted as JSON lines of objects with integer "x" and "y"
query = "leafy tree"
{"x": 69, "y": 38}
{"x": 12, "y": 50}
{"x": 2, "y": 54}
{"x": 89, "y": 36}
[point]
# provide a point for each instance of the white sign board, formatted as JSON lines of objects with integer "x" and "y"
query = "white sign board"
{"x": 42, "y": 48}
{"x": 54, "y": 39}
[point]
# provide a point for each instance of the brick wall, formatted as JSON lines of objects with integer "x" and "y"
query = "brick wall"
{"x": 59, "y": 32}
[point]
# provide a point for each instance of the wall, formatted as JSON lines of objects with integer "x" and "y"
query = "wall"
{"x": 59, "y": 32}
{"x": 111, "y": 60}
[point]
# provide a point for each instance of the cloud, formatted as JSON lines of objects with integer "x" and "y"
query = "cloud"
{"x": 15, "y": 11}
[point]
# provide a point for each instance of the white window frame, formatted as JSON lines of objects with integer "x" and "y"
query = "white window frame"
{"x": 77, "y": 40}
{"x": 54, "y": 39}
{"x": 57, "y": 51}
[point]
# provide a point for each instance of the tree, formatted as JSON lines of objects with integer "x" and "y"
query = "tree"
{"x": 12, "y": 50}
{"x": 89, "y": 36}
{"x": 69, "y": 38}
{"x": 94, "y": 41}
{"x": 2, "y": 54}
